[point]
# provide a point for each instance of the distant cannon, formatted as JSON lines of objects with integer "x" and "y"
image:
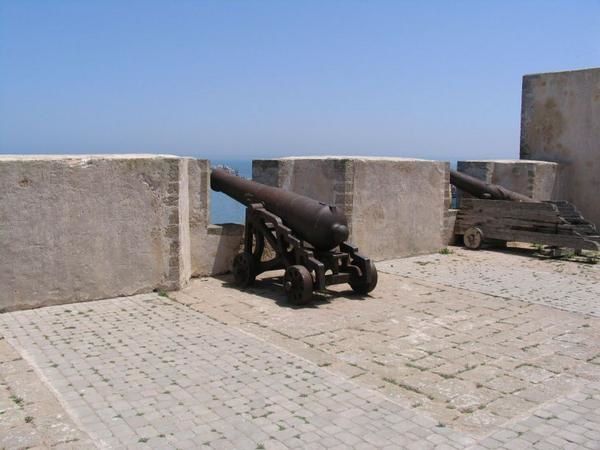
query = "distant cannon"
{"x": 500, "y": 215}
{"x": 307, "y": 236}
{"x": 481, "y": 189}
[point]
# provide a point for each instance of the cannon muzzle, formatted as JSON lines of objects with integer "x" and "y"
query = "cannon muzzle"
{"x": 321, "y": 225}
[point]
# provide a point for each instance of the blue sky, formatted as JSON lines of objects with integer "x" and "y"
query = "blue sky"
{"x": 244, "y": 79}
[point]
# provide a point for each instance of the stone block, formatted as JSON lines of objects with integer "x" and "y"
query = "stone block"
{"x": 449, "y": 222}
{"x": 395, "y": 206}
{"x": 199, "y": 185}
{"x": 218, "y": 247}
{"x": 560, "y": 122}
{"x": 535, "y": 179}
{"x": 76, "y": 228}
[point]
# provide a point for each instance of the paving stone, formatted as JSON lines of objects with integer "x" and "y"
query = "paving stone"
{"x": 441, "y": 354}
{"x": 217, "y": 352}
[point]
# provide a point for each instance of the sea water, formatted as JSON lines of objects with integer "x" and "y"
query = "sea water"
{"x": 224, "y": 209}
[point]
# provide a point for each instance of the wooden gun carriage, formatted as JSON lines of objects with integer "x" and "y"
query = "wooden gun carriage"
{"x": 308, "y": 239}
{"x": 500, "y": 215}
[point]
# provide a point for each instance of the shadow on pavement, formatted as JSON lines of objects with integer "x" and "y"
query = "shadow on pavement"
{"x": 272, "y": 288}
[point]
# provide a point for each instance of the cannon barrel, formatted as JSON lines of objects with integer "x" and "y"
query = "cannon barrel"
{"x": 321, "y": 225}
{"x": 481, "y": 189}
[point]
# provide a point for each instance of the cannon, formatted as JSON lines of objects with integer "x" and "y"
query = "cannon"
{"x": 308, "y": 238}
{"x": 498, "y": 215}
{"x": 481, "y": 189}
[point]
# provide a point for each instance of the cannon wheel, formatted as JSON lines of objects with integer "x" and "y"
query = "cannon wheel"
{"x": 243, "y": 269}
{"x": 473, "y": 238}
{"x": 360, "y": 286}
{"x": 298, "y": 285}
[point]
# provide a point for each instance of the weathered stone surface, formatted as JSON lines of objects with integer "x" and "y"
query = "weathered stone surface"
{"x": 535, "y": 179}
{"x": 395, "y": 206}
{"x": 218, "y": 247}
{"x": 199, "y": 195}
{"x": 194, "y": 379}
{"x": 77, "y": 228}
{"x": 560, "y": 123}
{"x": 448, "y": 334}
{"x": 427, "y": 360}
{"x": 30, "y": 415}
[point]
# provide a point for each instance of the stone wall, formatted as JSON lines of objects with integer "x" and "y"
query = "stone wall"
{"x": 535, "y": 179}
{"x": 218, "y": 247}
{"x": 395, "y": 206}
{"x": 199, "y": 195}
{"x": 78, "y": 228}
{"x": 560, "y": 122}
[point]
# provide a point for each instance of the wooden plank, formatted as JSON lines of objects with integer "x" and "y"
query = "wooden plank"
{"x": 579, "y": 228}
{"x": 509, "y": 223}
{"x": 536, "y": 216}
{"x": 463, "y": 224}
{"x": 504, "y": 204}
{"x": 557, "y": 240}
{"x": 466, "y": 222}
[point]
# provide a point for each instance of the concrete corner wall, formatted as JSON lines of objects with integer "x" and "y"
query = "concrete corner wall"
{"x": 560, "y": 122}
{"x": 536, "y": 179}
{"x": 395, "y": 206}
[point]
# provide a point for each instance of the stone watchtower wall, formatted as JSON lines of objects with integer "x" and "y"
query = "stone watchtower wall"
{"x": 395, "y": 206}
{"x": 560, "y": 122}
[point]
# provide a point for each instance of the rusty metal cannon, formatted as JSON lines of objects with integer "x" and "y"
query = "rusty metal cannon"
{"x": 480, "y": 189}
{"x": 499, "y": 215}
{"x": 307, "y": 236}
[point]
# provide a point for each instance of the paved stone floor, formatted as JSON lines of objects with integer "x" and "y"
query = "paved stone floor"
{"x": 429, "y": 360}
{"x": 30, "y": 414}
{"x": 552, "y": 282}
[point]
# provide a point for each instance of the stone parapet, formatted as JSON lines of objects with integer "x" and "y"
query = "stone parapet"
{"x": 395, "y": 206}
{"x": 77, "y": 228}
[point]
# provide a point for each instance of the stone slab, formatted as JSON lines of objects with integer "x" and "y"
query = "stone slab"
{"x": 78, "y": 228}
{"x": 84, "y": 227}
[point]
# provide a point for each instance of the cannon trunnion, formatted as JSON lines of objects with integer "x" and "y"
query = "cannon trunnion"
{"x": 307, "y": 237}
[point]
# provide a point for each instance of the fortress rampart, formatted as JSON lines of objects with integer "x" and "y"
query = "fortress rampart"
{"x": 77, "y": 228}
